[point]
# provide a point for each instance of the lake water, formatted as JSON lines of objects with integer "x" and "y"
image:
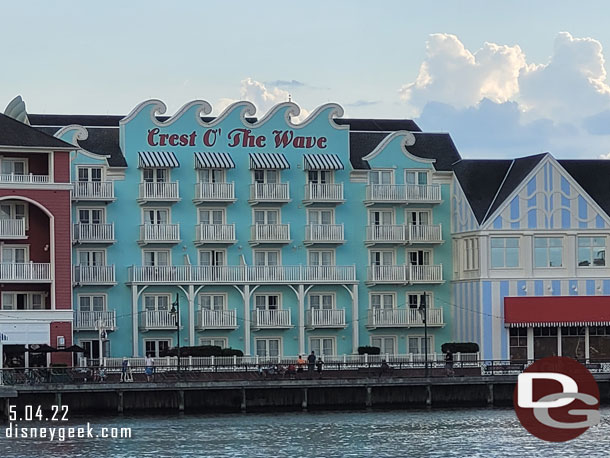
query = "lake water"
{"x": 433, "y": 433}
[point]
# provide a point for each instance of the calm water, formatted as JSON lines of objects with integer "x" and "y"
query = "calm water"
{"x": 435, "y": 433}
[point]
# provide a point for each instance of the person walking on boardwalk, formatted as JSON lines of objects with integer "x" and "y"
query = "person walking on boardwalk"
{"x": 311, "y": 361}
{"x": 150, "y": 367}
{"x": 300, "y": 364}
{"x": 319, "y": 364}
{"x": 449, "y": 363}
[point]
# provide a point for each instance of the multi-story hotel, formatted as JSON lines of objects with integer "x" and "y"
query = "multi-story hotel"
{"x": 274, "y": 238}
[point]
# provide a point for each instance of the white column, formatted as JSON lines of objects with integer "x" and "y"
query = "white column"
{"x": 530, "y": 343}
{"x": 559, "y": 352}
{"x": 134, "y": 319}
{"x": 246, "y": 296}
{"x": 301, "y": 299}
{"x": 191, "y": 299}
{"x": 587, "y": 343}
{"x": 355, "y": 322}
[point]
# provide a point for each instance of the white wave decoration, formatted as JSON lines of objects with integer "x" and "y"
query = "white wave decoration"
{"x": 247, "y": 109}
{"x": 157, "y": 108}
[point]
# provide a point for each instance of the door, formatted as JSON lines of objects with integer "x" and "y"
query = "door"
{"x": 14, "y": 254}
{"x": 418, "y": 218}
{"x": 156, "y": 216}
{"x": 90, "y": 174}
{"x": 380, "y": 177}
{"x": 155, "y": 175}
{"x": 211, "y": 216}
{"x": 156, "y": 258}
{"x": 211, "y": 176}
{"x": 266, "y": 217}
{"x": 320, "y": 217}
{"x": 419, "y": 258}
{"x": 211, "y": 258}
{"x": 319, "y": 176}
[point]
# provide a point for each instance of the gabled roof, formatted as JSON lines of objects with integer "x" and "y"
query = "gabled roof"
{"x": 378, "y": 125}
{"x": 592, "y": 175}
{"x": 18, "y": 134}
{"x": 437, "y": 146}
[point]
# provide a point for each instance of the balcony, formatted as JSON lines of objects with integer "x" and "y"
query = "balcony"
{"x": 157, "y": 319}
{"x": 269, "y": 192}
{"x": 214, "y": 192}
{"x": 269, "y": 233}
{"x": 403, "y": 234}
{"x": 216, "y": 319}
{"x": 271, "y": 319}
{"x": 91, "y": 321}
{"x": 404, "y": 274}
{"x": 229, "y": 275}
{"x": 425, "y": 233}
{"x": 215, "y": 233}
{"x": 159, "y": 192}
{"x": 324, "y": 193}
{"x": 94, "y": 233}
{"x": 329, "y": 318}
{"x": 426, "y": 274}
{"x": 12, "y": 228}
{"x": 402, "y": 194}
{"x": 93, "y": 191}
{"x": 324, "y": 233}
{"x": 404, "y": 318}
{"x": 94, "y": 275}
{"x": 11, "y": 178}
{"x": 159, "y": 233}
{"x": 25, "y": 272}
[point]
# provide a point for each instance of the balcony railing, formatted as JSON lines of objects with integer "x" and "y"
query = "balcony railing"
{"x": 94, "y": 275}
{"x": 216, "y": 319}
{"x": 93, "y": 190}
{"x": 162, "y": 192}
{"x": 159, "y": 233}
{"x": 12, "y": 228}
{"x": 271, "y": 319}
{"x": 411, "y": 317}
{"x": 426, "y": 274}
{"x": 403, "y": 193}
{"x": 270, "y": 233}
{"x": 30, "y": 179}
{"x": 242, "y": 274}
{"x": 25, "y": 271}
{"x": 403, "y": 274}
{"x": 326, "y": 318}
{"x": 425, "y": 233}
{"x": 157, "y": 319}
{"x": 214, "y": 192}
{"x": 215, "y": 233}
{"x": 269, "y": 192}
{"x": 324, "y": 192}
{"x": 386, "y": 234}
{"x": 91, "y": 321}
{"x": 324, "y": 233}
{"x": 94, "y": 233}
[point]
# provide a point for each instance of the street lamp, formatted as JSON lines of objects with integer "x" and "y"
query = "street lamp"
{"x": 175, "y": 312}
{"x": 100, "y": 325}
{"x": 424, "y": 315}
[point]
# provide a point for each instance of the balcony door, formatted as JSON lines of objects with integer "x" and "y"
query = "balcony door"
{"x": 213, "y": 302}
{"x": 416, "y": 177}
{"x": 267, "y": 258}
{"x": 91, "y": 215}
{"x": 156, "y": 258}
{"x": 387, "y": 345}
{"x": 267, "y": 176}
{"x": 211, "y": 258}
{"x": 266, "y": 217}
{"x": 91, "y": 258}
{"x": 417, "y": 301}
{"x": 382, "y": 258}
{"x": 13, "y": 167}
{"x": 267, "y": 302}
{"x": 92, "y": 303}
{"x": 322, "y": 346}
{"x": 321, "y": 302}
{"x": 320, "y": 176}
{"x": 155, "y": 175}
{"x": 14, "y": 254}
{"x": 155, "y": 348}
{"x": 381, "y": 177}
{"x": 93, "y": 174}
{"x": 207, "y": 216}
{"x": 156, "y": 216}
{"x": 321, "y": 258}
{"x": 417, "y": 345}
{"x": 12, "y": 211}
{"x": 382, "y": 301}
{"x": 267, "y": 347}
{"x": 381, "y": 217}
{"x": 154, "y": 303}
{"x": 418, "y": 218}
{"x": 419, "y": 258}
{"x": 320, "y": 216}
{"x": 211, "y": 175}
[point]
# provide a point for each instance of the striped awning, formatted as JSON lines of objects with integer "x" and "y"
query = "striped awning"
{"x": 322, "y": 162}
{"x": 214, "y": 161}
{"x": 268, "y": 161}
{"x": 157, "y": 159}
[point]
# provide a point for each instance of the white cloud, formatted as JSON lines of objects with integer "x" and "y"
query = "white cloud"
{"x": 604, "y": 156}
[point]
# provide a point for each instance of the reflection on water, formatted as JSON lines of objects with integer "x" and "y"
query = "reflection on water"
{"x": 434, "y": 433}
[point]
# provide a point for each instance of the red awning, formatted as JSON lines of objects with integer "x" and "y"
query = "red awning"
{"x": 557, "y": 311}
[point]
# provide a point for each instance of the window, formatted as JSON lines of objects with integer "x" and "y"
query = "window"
{"x": 416, "y": 177}
{"x": 573, "y": 342}
{"x": 387, "y": 345}
{"x": 15, "y": 254}
{"x": 14, "y": 166}
{"x": 381, "y": 217}
{"x": 90, "y": 174}
{"x": 267, "y": 301}
{"x": 266, "y": 176}
{"x": 211, "y": 258}
{"x": 321, "y": 257}
{"x": 91, "y": 215}
{"x": 92, "y": 303}
{"x": 322, "y": 346}
{"x": 548, "y": 251}
{"x": 10, "y": 210}
{"x": 321, "y": 301}
{"x": 156, "y": 216}
{"x": 504, "y": 252}
{"x": 267, "y": 258}
{"x": 382, "y": 301}
{"x": 545, "y": 342}
{"x": 382, "y": 258}
{"x": 23, "y": 301}
{"x": 320, "y": 176}
{"x": 381, "y": 177}
{"x": 471, "y": 260}
{"x": 267, "y": 347}
{"x": 153, "y": 302}
{"x": 211, "y": 175}
{"x": 155, "y": 175}
{"x": 156, "y": 258}
{"x": 156, "y": 347}
{"x": 599, "y": 343}
{"x": 209, "y": 216}
{"x": 518, "y": 344}
{"x": 221, "y": 342}
{"x": 419, "y": 257}
{"x": 266, "y": 216}
{"x": 320, "y": 216}
{"x": 91, "y": 258}
{"x": 417, "y": 345}
{"x": 212, "y": 301}
{"x": 418, "y": 300}
{"x": 419, "y": 218}
{"x": 591, "y": 251}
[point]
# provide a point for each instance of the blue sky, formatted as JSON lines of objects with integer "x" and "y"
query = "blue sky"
{"x": 504, "y": 78}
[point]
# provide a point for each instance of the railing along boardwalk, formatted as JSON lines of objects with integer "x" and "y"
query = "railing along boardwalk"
{"x": 215, "y": 233}
{"x": 90, "y": 321}
{"x": 242, "y": 274}
{"x": 29, "y": 178}
{"x": 403, "y": 193}
{"x": 25, "y": 271}
{"x": 160, "y": 191}
{"x": 271, "y": 319}
{"x": 407, "y": 317}
{"x": 94, "y": 275}
{"x": 157, "y": 319}
{"x": 93, "y": 190}
{"x": 326, "y": 318}
{"x": 96, "y": 233}
{"x": 403, "y": 274}
{"x": 324, "y": 192}
{"x": 216, "y": 319}
{"x": 270, "y": 192}
{"x": 270, "y": 233}
{"x": 324, "y": 233}
{"x": 159, "y": 233}
{"x": 215, "y": 192}
{"x": 12, "y": 228}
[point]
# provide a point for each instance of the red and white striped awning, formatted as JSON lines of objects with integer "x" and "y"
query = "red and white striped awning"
{"x": 557, "y": 311}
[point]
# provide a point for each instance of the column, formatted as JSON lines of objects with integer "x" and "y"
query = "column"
{"x": 134, "y": 319}
{"x": 301, "y": 299}
{"x": 191, "y": 299}
{"x": 530, "y": 343}
{"x": 355, "y": 322}
{"x": 246, "y": 295}
{"x": 587, "y": 344}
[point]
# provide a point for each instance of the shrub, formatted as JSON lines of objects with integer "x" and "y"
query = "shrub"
{"x": 369, "y": 350}
{"x": 460, "y": 347}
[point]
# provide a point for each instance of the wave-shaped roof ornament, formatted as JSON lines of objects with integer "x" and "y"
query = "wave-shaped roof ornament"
{"x": 16, "y": 110}
{"x": 156, "y": 108}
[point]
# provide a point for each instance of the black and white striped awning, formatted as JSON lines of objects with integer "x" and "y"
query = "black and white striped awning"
{"x": 268, "y": 161}
{"x": 157, "y": 159}
{"x": 214, "y": 161}
{"x": 322, "y": 162}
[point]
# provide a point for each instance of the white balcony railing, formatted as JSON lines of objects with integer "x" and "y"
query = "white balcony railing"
{"x": 159, "y": 233}
{"x": 12, "y": 228}
{"x": 386, "y": 234}
{"x": 425, "y": 233}
{"x": 216, "y": 319}
{"x": 94, "y": 275}
{"x": 324, "y": 233}
{"x": 410, "y": 317}
{"x": 324, "y": 192}
{"x": 271, "y": 319}
{"x": 215, "y": 192}
{"x": 426, "y": 274}
{"x": 403, "y": 193}
{"x": 215, "y": 233}
{"x": 397, "y": 274}
{"x": 30, "y": 179}
{"x": 326, "y": 318}
{"x": 270, "y": 233}
{"x": 163, "y": 191}
{"x": 270, "y": 192}
{"x": 25, "y": 271}
{"x": 157, "y": 319}
{"x": 93, "y": 190}
{"x": 91, "y": 321}
{"x": 241, "y": 274}
{"x": 96, "y": 233}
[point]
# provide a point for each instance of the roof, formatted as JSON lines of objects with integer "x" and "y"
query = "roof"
{"x": 435, "y": 146}
{"x": 592, "y": 175}
{"x": 18, "y": 134}
{"x": 378, "y": 125}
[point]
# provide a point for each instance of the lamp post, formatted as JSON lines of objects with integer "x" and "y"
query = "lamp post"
{"x": 176, "y": 313}
{"x": 424, "y": 314}
{"x": 101, "y": 337}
